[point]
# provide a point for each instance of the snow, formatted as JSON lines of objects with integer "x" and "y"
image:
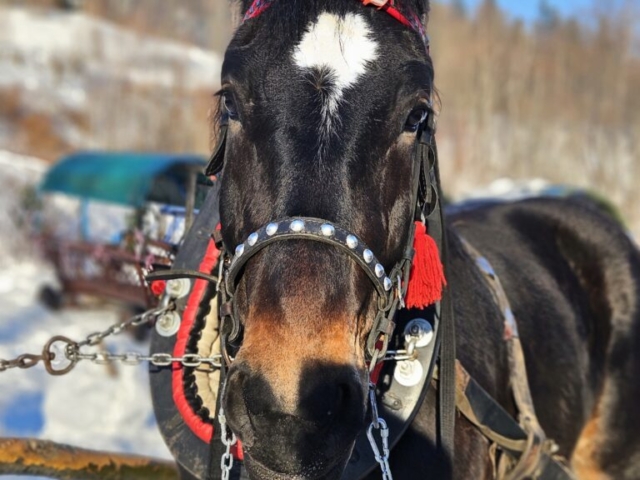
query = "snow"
{"x": 95, "y": 407}
{"x": 93, "y": 84}
{"x": 40, "y": 46}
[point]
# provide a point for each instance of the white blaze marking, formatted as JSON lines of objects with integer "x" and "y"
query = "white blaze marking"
{"x": 342, "y": 46}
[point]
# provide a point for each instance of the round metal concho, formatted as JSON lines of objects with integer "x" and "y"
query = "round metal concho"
{"x": 271, "y": 229}
{"x": 421, "y": 330}
{"x": 296, "y": 226}
{"x": 408, "y": 373}
{"x": 178, "y": 287}
{"x": 253, "y": 239}
{"x": 328, "y": 230}
{"x": 168, "y": 324}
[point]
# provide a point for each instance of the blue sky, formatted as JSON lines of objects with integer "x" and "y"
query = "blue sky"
{"x": 528, "y": 9}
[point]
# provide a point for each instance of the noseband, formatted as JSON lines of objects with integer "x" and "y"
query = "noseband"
{"x": 391, "y": 289}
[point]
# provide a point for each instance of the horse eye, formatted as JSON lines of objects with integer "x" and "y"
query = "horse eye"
{"x": 415, "y": 119}
{"x": 230, "y": 105}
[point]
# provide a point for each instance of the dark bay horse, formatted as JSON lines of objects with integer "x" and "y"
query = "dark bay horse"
{"x": 323, "y": 99}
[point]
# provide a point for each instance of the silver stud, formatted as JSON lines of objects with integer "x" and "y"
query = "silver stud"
{"x": 368, "y": 255}
{"x": 352, "y": 241}
{"x": 296, "y": 226}
{"x": 240, "y": 250}
{"x": 272, "y": 228}
{"x": 253, "y": 239}
{"x": 379, "y": 271}
{"x": 387, "y": 284}
{"x": 327, "y": 230}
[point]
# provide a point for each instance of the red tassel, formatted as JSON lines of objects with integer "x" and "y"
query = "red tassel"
{"x": 427, "y": 274}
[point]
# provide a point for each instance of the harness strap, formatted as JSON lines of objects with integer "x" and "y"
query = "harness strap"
{"x": 533, "y": 459}
{"x": 495, "y": 423}
{"x": 446, "y": 393}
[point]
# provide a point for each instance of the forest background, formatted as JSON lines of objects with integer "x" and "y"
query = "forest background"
{"x": 555, "y": 97}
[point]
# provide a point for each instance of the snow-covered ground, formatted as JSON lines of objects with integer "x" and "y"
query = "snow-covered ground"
{"x": 93, "y": 406}
{"x": 48, "y": 48}
{"x": 91, "y": 84}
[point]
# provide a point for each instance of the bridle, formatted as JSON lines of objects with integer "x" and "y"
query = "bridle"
{"x": 475, "y": 404}
{"x": 390, "y": 284}
{"x": 391, "y": 287}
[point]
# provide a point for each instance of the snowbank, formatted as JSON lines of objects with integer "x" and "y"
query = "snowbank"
{"x": 41, "y": 46}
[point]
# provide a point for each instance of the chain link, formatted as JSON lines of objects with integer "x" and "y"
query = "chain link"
{"x": 73, "y": 353}
{"x": 226, "y": 462}
{"x": 24, "y": 361}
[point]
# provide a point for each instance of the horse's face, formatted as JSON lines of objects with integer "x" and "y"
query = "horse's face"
{"x": 323, "y": 100}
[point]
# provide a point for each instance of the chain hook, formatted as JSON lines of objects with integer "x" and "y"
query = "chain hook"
{"x": 378, "y": 424}
{"x": 381, "y": 458}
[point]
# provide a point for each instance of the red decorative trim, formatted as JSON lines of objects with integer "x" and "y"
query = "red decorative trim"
{"x": 394, "y": 12}
{"x": 236, "y": 451}
{"x": 388, "y": 6}
{"x": 256, "y": 8}
{"x": 204, "y": 431}
{"x": 157, "y": 287}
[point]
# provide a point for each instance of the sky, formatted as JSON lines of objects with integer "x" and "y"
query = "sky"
{"x": 528, "y": 9}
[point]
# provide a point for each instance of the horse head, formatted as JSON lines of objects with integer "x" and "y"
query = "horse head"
{"x": 322, "y": 101}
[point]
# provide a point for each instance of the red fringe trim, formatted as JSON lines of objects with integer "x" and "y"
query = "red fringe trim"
{"x": 427, "y": 279}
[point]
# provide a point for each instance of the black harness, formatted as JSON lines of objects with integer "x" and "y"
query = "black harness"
{"x": 397, "y": 403}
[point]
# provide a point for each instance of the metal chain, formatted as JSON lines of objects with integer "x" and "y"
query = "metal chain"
{"x": 26, "y": 360}
{"x": 378, "y": 424}
{"x": 61, "y": 354}
{"x": 226, "y": 462}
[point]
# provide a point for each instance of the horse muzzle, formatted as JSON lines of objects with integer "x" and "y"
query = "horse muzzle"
{"x": 307, "y": 435}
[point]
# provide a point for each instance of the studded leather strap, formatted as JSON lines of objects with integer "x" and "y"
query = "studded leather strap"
{"x": 304, "y": 228}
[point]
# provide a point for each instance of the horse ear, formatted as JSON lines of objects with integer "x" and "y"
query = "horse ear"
{"x": 421, "y": 7}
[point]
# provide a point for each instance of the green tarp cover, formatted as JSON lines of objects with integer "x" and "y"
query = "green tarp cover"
{"x": 123, "y": 178}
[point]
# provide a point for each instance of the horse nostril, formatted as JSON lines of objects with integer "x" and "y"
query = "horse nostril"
{"x": 329, "y": 403}
{"x": 342, "y": 399}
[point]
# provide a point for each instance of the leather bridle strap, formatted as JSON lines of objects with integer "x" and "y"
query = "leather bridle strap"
{"x": 391, "y": 288}
{"x": 305, "y": 228}
{"x": 447, "y": 390}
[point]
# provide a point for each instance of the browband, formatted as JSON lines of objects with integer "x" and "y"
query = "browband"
{"x": 412, "y": 21}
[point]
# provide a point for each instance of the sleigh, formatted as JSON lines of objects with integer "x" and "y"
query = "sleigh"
{"x": 110, "y": 218}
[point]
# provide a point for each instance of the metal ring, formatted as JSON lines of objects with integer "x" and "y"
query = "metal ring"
{"x": 48, "y": 356}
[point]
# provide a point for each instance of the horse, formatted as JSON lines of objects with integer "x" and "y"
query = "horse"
{"x": 322, "y": 104}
